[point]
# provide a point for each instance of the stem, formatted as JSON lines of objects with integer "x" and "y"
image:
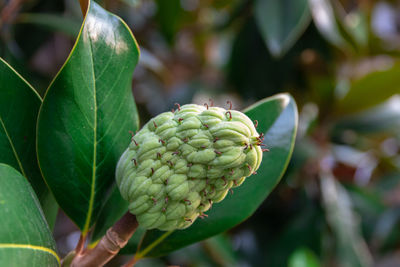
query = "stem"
{"x": 116, "y": 238}
{"x": 81, "y": 244}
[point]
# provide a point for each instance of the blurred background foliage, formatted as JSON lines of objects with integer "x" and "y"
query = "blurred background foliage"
{"x": 339, "y": 202}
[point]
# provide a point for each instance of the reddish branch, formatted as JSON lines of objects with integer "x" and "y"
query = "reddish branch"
{"x": 116, "y": 238}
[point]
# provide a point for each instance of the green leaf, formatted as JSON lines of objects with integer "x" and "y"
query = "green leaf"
{"x": 372, "y": 89}
{"x": 25, "y": 237}
{"x": 352, "y": 249}
{"x": 281, "y": 22}
{"x": 277, "y": 119}
{"x": 19, "y": 107}
{"x": 382, "y": 118}
{"x": 357, "y": 25}
{"x": 86, "y": 116}
{"x": 303, "y": 257}
{"x": 114, "y": 209}
{"x": 168, "y": 16}
{"x": 330, "y": 23}
{"x": 53, "y": 22}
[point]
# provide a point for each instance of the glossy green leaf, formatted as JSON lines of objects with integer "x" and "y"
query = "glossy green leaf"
{"x": 352, "y": 249}
{"x": 19, "y": 107}
{"x": 281, "y": 22}
{"x": 372, "y": 89}
{"x": 86, "y": 116}
{"x": 303, "y": 257}
{"x": 277, "y": 119}
{"x": 25, "y": 237}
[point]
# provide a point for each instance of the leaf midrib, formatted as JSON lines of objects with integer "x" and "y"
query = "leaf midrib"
{"x": 94, "y": 166}
{"x": 12, "y": 147}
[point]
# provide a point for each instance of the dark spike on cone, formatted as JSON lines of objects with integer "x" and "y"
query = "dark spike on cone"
{"x": 230, "y": 115}
{"x": 230, "y": 104}
{"x": 204, "y": 192}
{"x": 212, "y": 189}
{"x": 203, "y": 215}
{"x": 135, "y": 142}
{"x": 249, "y": 167}
{"x": 179, "y": 106}
{"x": 256, "y": 123}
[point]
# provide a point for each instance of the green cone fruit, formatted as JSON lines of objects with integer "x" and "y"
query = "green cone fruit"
{"x": 181, "y": 162}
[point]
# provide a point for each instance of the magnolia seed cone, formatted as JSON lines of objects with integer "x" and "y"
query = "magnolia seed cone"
{"x": 181, "y": 162}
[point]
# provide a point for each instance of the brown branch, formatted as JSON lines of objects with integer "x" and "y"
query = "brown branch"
{"x": 116, "y": 238}
{"x": 81, "y": 244}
